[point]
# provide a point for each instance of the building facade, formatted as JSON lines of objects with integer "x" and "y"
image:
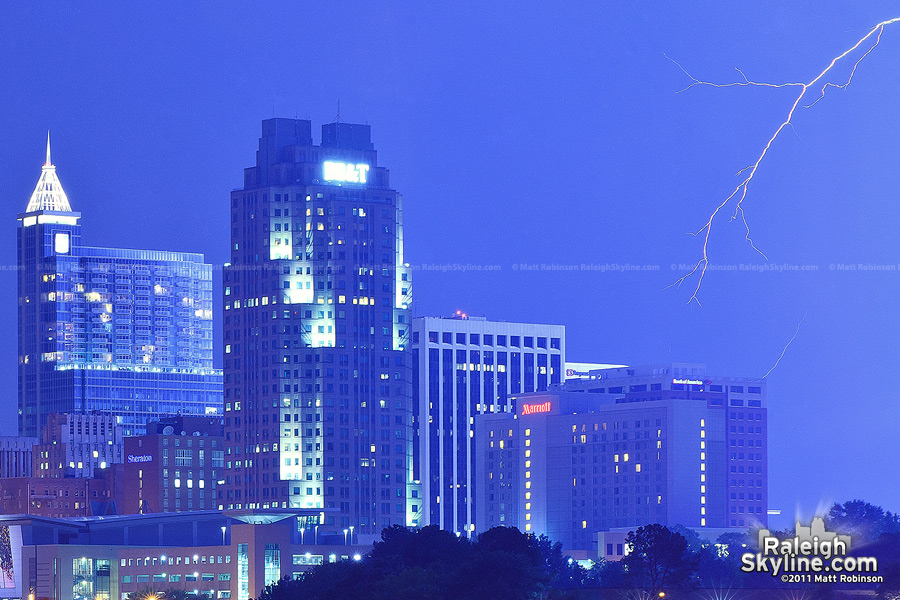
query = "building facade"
{"x": 122, "y": 332}
{"x": 66, "y": 497}
{"x": 75, "y": 445}
{"x": 175, "y": 467}
{"x": 15, "y": 456}
{"x": 316, "y": 325}
{"x": 662, "y": 444}
{"x": 467, "y": 366}
{"x": 210, "y": 554}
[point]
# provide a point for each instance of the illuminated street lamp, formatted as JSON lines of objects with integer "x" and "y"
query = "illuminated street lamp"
{"x": 345, "y": 536}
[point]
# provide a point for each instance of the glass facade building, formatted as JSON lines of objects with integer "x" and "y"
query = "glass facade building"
{"x": 121, "y": 332}
{"x": 316, "y": 326}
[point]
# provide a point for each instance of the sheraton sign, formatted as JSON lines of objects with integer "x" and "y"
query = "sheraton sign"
{"x": 530, "y": 409}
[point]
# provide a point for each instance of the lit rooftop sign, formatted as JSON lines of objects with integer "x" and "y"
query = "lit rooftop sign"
{"x": 344, "y": 172}
{"x": 530, "y": 409}
{"x": 688, "y": 381}
{"x": 140, "y": 458}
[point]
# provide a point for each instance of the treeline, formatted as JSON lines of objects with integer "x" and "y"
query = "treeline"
{"x": 504, "y": 563}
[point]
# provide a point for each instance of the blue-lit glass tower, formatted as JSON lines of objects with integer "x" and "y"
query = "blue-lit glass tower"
{"x": 122, "y": 332}
{"x": 318, "y": 408}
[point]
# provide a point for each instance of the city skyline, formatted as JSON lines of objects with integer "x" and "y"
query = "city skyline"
{"x": 607, "y": 190}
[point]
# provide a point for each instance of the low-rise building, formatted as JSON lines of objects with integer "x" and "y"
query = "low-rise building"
{"x": 212, "y": 554}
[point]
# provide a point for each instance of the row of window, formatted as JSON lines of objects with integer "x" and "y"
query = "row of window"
{"x": 476, "y": 339}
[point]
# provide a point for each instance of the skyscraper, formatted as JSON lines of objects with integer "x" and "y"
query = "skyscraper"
{"x": 467, "y": 366}
{"x": 121, "y": 332}
{"x": 317, "y": 364}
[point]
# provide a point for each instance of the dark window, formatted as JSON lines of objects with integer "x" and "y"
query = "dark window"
{"x": 460, "y": 338}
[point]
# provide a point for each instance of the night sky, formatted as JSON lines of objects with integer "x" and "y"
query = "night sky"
{"x": 549, "y": 134}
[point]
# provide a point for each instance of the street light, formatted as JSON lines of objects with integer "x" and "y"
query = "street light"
{"x": 223, "y": 535}
{"x": 345, "y": 536}
{"x": 302, "y": 529}
{"x": 316, "y": 536}
{"x": 351, "y": 535}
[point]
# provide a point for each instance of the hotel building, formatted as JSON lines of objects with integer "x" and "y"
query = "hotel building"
{"x": 631, "y": 446}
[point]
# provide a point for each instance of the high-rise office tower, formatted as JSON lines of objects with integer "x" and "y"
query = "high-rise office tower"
{"x": 121, "y": 332}
{"x": 317, "y": 365}
{"x": 467, "y": 366}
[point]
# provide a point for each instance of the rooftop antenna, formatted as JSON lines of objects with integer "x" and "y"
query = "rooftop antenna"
{"x": 337, "y": 118}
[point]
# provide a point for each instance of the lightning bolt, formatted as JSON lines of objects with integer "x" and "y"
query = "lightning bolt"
{"x": 788, "y": 345}
{"x": 740, "y": 191}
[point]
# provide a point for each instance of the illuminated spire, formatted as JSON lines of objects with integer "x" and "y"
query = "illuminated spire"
{"x": 48, "y": 193}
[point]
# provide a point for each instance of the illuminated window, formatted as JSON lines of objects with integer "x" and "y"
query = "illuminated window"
{"x": 584, "y": 524}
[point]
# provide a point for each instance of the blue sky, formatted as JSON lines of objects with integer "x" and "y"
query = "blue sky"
{"x": 528, "y": 135}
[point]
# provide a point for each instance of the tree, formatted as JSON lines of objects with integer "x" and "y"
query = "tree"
{"x": 607, "y": 574}
{"x": 864, "y": 522}
{"x": 658, "y": 559}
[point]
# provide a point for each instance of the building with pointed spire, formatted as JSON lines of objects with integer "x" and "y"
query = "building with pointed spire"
{"x": 127, "y": 333}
